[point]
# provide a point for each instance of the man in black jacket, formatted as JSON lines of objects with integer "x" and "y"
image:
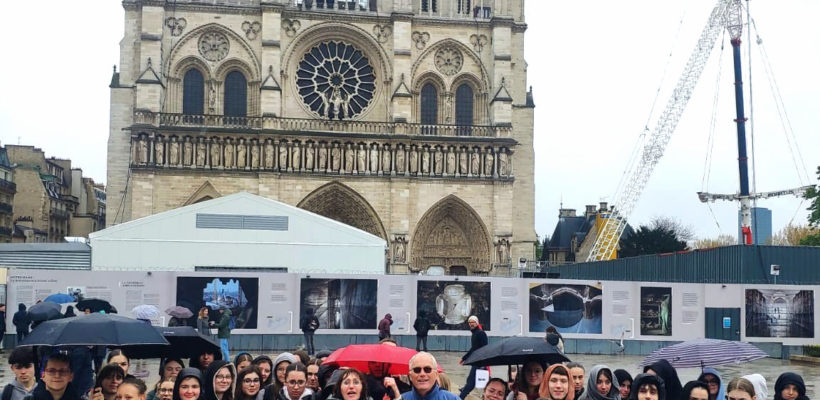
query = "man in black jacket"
{"x": 422, "y": 327}
{"x": 478, "y": 340}
{"x": 21, "y": 322}
{"x": 309, "y": 325}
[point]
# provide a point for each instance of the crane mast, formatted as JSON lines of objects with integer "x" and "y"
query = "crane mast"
{"x": 640, "y": 168}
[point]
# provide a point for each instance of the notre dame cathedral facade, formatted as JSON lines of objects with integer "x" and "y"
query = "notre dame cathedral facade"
{"x": 409, "y": 119}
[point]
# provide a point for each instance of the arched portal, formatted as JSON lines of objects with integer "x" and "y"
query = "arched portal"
{"x": 451, "y": 235}
{"x": 341, "y": 203}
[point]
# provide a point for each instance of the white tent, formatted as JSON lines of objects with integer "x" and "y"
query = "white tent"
{"x": 242, "y": 231}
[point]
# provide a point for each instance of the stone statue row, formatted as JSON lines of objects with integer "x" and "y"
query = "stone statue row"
{"x": 322, "y": 157}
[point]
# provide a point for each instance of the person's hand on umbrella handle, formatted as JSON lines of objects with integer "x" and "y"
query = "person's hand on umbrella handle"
{"x": 460, "y": 362}
{"x": 390, "y": 383}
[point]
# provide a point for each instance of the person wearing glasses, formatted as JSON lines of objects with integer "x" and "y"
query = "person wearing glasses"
{"x": 108, "y": 380}
{"x": 219, "y": 382}
{"x": 711, "y": 378}
{"x": 424, "y": 379}
{"x": 295, "y": 383}
{"x": 21, "y": 360}
{"x": 165, "y": 389}
{"x": 56, "y": 380}
{"x": 249, "y": 383}
{"x": 351, "y": 385}
{"x": 168, "y": 370}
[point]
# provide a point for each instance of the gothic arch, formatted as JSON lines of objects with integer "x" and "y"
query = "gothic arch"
{"x": 451, "y": 234}
{"x": 205, "y": 192}
{"x": 339, "y": 202}
{"x": 468, "y": 55}
{"x": 243, "y": 52}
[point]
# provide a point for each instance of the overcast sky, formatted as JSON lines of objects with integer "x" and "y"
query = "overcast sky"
{"x": 595, "y": 67}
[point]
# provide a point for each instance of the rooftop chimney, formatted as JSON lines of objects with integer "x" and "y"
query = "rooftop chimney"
{"x": 603, "y": 207}
{"x": 566, "y": 212}
{"x": 590, "y": 210}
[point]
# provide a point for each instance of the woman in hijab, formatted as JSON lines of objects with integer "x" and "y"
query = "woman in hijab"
{"x": 556, "y": 384}
{"x": 759, "y": 382}
{"x": 695, "y": 390}
{"x": 667, "y": 372}
{"x": 188, "y": 385}
{"x": 648, "y": 387}
{"x": 790, "y": 386}
{"x": 624, "y": 382}
{"x": 711, "y": 378}
{"x": 600, "y": 385}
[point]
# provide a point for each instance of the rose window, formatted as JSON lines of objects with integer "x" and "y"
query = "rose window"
{"x": 335, "y": 80}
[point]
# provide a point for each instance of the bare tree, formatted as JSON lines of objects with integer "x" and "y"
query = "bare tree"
{"x": 681, "y": 231}
{"x": 721, "y": 240}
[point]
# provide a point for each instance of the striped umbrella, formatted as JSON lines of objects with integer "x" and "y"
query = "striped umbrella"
{"x": 705, "y": 353}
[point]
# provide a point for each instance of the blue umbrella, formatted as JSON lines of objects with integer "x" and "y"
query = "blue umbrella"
{"x": 701, "y": 353}
{"x": 60, "y": 298}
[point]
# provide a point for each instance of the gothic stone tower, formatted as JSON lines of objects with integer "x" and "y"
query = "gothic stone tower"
{"x": 409, "y": 119}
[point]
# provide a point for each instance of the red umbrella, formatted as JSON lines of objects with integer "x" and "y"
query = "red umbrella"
{"x": 365, "y": 356}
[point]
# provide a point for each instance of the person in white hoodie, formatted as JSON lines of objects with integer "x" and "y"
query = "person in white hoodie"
{"x": 759, "y": 382}
{"x": 21, "y": 360}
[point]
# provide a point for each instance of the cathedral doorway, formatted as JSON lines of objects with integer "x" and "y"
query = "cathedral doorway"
{"x": 341, "y": 203}
{"x": 451, "y": 235}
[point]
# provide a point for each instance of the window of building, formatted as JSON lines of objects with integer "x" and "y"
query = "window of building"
{"x": 429, "y": 5}
{"x": 193, "y": 92}
{"x": 236, "y": 94}
{"x": 464, "y": 108}
{"x": 464, "y": 6}
{"x": 429, "y": 107}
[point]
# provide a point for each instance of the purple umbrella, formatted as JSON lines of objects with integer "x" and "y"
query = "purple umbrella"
{"x": 701, "y": 353}
{"x": 179, "y": 312}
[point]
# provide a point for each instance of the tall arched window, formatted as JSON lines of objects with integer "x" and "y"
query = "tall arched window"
{"x": 193, "y": 93}
{"x": 429, "y": 108}
{"x": 464, "y": 108}
{"x": 236, "y": 94}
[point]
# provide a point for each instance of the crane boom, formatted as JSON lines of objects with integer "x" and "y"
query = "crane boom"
{"x": 641, "y": 168}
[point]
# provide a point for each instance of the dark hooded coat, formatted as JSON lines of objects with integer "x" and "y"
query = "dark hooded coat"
{"x": 643, "y": 379}
{"x": 187, "y": 373}
{"x": 208, "y": 392}
{"x": 787, "y": 378}
{"x": 669, "y": 375}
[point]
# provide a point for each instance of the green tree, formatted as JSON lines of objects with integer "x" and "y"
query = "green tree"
{"x": 545, "y": 252}
{"x": 813, "y": 195}
{"x": 658, "y": 237}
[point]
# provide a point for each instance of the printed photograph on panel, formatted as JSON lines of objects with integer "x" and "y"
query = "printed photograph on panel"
{"x": 780, "y": 313}
{"x": 239, "y": 295}
{"x": 341, "y": 303}
{"x": 656, "y": 311}
{"x": 569, "y": 308}
{"x": 448, "y": 304}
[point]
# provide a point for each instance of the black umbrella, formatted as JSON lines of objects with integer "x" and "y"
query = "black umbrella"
{"x": 44, "y": 311}
{"x": 95, "y": 305}
{"x": 185, "y": 342}
{"x": 516, "y": 351}
{"x": 95, "y": 330}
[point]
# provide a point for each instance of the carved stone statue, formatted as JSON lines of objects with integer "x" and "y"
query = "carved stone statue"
{"x": 414, "y": 161}
{"x": 159, "y": 152}
{"x": 187, "y": 152}
{"x": 241, "y": 154}
{"x": 488, "y": 163}
{"x": 201, "y": 153}
{"x": 228, "y": 157}
{"x": 386, "y": 159}
{"x": 399, "y": 249}
{"x": 475, "y": 163}
{"x": 502, "y": 164}
{"x": 269, "y": 154}
{"x": 296, "y": 156}
{"x": 400, "y": 159}
{"x": 173, "y": 152}
{"x": 451, "y": 162}
{"x": 142, "y": 153}
{"x": 283, "y": 156}
{"x": 322, "y": 157}
{"x": 425, "y": 162}
{"x": 349, "y": 158}
{"x": 215, "y": 150}
{"x": 462, "y": 162}
{"x": 309, "y": 152}
{"x": 212, "y": 99}
{"x": 335, "y": 158}
{"x": 254, "y": 155}
{"x": 502, "y": 251}
{"x": 438, "y": 160}
{"x": 374, "y": 159}
{"x": 361, "y": 157}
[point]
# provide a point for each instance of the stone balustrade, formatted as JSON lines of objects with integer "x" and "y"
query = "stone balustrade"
{"x": 339, "y": 156}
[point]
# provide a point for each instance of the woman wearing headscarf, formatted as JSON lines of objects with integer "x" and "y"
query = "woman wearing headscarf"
{"x": 669, "y": 375}
{"x": 790, "y": 386}
{"x": 219, "y": 382}
{"x": 695, "y": 390}
{"x": 649, "y": 387}
{"x": 759, "y": 382}
{"x": 624, "y": 382}
{"x": 556, "y": 384}
{"x": 188, "y": 385}
{"x": 601, "y": 385}
{"x": 711, "y": 378}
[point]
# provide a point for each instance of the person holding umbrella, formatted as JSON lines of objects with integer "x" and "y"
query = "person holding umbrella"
{"x": 108, "y": 380}
{"x": 477, "y": 341}
{"x": 21, "y": 321}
